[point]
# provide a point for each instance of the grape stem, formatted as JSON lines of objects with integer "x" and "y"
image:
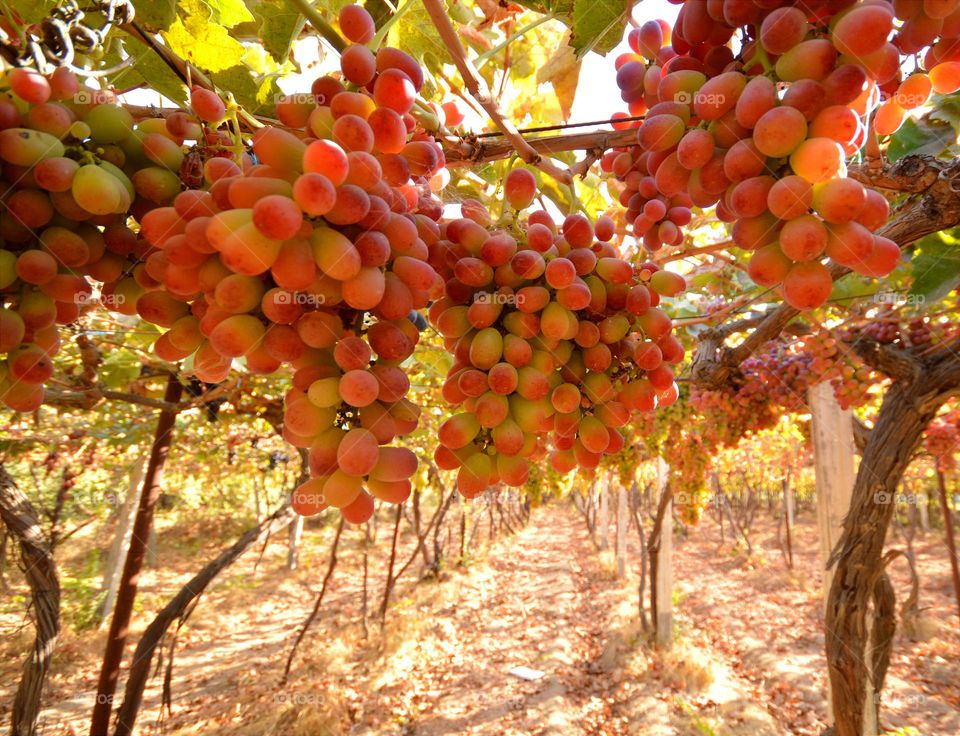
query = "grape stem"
{"x": 189, "y": 75}
{"x": 320, "y": 24}
{"x": 487, "y": 55}
{"x": 759, "y": 56}
{"x": 479, "y": 91}
{"x": 385, "y": 28}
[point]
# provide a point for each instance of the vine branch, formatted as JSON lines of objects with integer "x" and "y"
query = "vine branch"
{"x": 475, "y": 151}
{"x": 935, "y": 206}
{"x": 479, "y": 91}
{"x": 319, "y": 24}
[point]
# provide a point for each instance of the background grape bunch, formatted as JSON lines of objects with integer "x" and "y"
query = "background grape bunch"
{"x": 763, "y": 135}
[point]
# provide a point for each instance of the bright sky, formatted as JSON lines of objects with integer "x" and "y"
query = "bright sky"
{"x": 597, "y": 95}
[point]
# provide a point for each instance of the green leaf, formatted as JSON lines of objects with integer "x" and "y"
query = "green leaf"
{"x": 560, "y": 7}
{"x": 920, "y": 136}
{"x": 415, "y": 34}
{"x": 255, "y": 94}
{"x": 559, "y": 194}
{"x": 597, "y": 25}
{"x": 379, "y": 11}
{"x": 946, "y": 108}
{"x": 156, "y": 15}
{"x": 280, "y": 25}
{"x": 154, "y": 70}
{"x": 119, "y": 368}
{"x": 936, "y": 266}
{"x": 36, "y": 12}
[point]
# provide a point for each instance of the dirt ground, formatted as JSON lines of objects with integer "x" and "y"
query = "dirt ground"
{"x": 747, "y": 659}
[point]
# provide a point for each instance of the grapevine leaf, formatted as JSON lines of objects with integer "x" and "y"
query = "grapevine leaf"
{"x": 37, "y": 12}
{"x": 205, "y": 44}
{"x": 149, "y": 67}
{"x": 562, "y": 70}
{"x": 156, "y": 15}
{"x": 279, "y": 28}
{"x": 559, "y": 7}
{"x": 415, "y": 34}
{"x": 597, "y": 25}
{"x": 228, "y": 12}
{"x": 946, "y": 109}
{"x": 920, "y": 136}
{"x": 119, "y": 368}
{"x": 558, "y": 193}
{"x": 936, "y": 266}
{"x": 256, "y": 94}
{"x": 379, "y": 10}
{"x": 848, "y": 290}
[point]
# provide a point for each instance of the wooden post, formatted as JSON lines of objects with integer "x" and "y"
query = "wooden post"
{"x": 294, "y": 535}
{"x": 604, "y": 517}
{"x": 622, "y": 523}
{"x": 788, "y": 513}
{"x": 665, "y": 563}
{"x": 833, "y": 454}
{"x": 923, "y": 506}
{"x": 121, "y": 540}
{"x": 948, "y": 530}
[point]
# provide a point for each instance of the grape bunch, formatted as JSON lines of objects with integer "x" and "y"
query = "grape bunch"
{"x": 884, "y": 331}
{"x": 940, "y": 439}
{"x": 73, "y": 166}
{"x": 764, "y": 136}
{"x": 557, "y": 341}
{"x": 314, "y": 257}
{"x": 849, "y": 376}
{"x": 308, "y": 251}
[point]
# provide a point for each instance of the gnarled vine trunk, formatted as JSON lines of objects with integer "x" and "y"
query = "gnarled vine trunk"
{"x": 127, "y": 589}
{"x": 179, "y": 607}
{"x": 22, "y": 522}
{"x": 860, "y": 618}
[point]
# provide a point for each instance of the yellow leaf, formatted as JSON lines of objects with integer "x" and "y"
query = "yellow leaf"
{"x": 562, "y": 70}
{"x": 207, "y": 45}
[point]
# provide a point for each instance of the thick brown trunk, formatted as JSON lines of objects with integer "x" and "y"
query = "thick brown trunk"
{"x": 179, "y": 606}
{"x": 127, "y": 590}
{"x": 860, "y": 608}
{"x": 23, "y": 524}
